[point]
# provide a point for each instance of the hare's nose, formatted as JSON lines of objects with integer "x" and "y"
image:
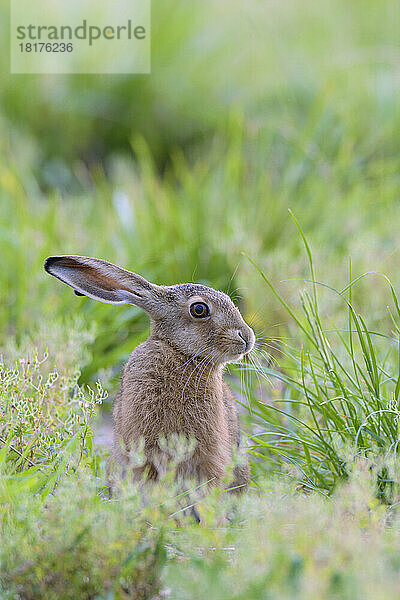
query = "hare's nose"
{"x": 248, "y": 338}
{"x": 246, "y": 342}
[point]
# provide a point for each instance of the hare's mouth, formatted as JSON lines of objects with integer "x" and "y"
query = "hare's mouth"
{"x": 235, "y": 345}
{"x": 237, "y": 351}
{"x": 236, "y": 357}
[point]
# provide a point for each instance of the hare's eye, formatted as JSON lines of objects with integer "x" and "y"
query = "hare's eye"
{"x": 199, "y": 310}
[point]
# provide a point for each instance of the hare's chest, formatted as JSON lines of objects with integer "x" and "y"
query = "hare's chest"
{"x": 162, "y": 405}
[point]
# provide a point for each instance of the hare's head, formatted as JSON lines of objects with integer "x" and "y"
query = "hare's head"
{"x": 195, "y": 319}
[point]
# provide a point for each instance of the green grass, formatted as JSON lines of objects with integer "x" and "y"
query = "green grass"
{"x": 148, "y": 174}
{"x": 295, "y": 546}
{"x": 329, "y": 60}
{"x": 339, "y": 395}
{"x": 62, "y": 537}
{"x": 192, "y": 223}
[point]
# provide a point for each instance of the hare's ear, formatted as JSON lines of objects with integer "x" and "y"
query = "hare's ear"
{"x": 103, "y": 281}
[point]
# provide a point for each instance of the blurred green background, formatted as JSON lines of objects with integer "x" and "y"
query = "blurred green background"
{"x": 249, "y": 110}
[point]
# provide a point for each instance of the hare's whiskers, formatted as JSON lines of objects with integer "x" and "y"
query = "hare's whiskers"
{"x": 248, "y": 383}
{"x": 253, "y": 361}
{"x": 192, "y": 357}
{"x": 269, "y": 359}
{"x": 205, "y": 387}
{"x": 260, "y": 371}
{"x": 244, "y": 386}
{"x": 200, "y": 374}
{"x": 191, "y": 361}
{"x": 262, "y": 354}
{"x": 187, "y": 363}
{"x": 191, "y": 374}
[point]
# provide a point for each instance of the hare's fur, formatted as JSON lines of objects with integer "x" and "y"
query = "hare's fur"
{"x": 162, "y": 394}
{"x": 173, "y": 382}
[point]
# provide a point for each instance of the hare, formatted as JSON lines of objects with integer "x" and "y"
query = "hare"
{"x": 173, "y": 382}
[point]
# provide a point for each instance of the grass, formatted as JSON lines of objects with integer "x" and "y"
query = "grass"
{"x": 210, "y": 211}
{"x": 340, "y": 393}
{"x": 332, "y": 433}
{"x": 295, "y": 546}
{"x": 342, "y": 68}
{"x": 63, "y": 538}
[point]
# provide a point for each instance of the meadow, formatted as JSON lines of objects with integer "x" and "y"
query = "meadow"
{"x": 261, "y": 158}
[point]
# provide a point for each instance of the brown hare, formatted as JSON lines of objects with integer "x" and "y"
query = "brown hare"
{"x": 172, "y": 383}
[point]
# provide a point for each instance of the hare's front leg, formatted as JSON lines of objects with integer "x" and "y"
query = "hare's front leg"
{"x": 213, "y": 465}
